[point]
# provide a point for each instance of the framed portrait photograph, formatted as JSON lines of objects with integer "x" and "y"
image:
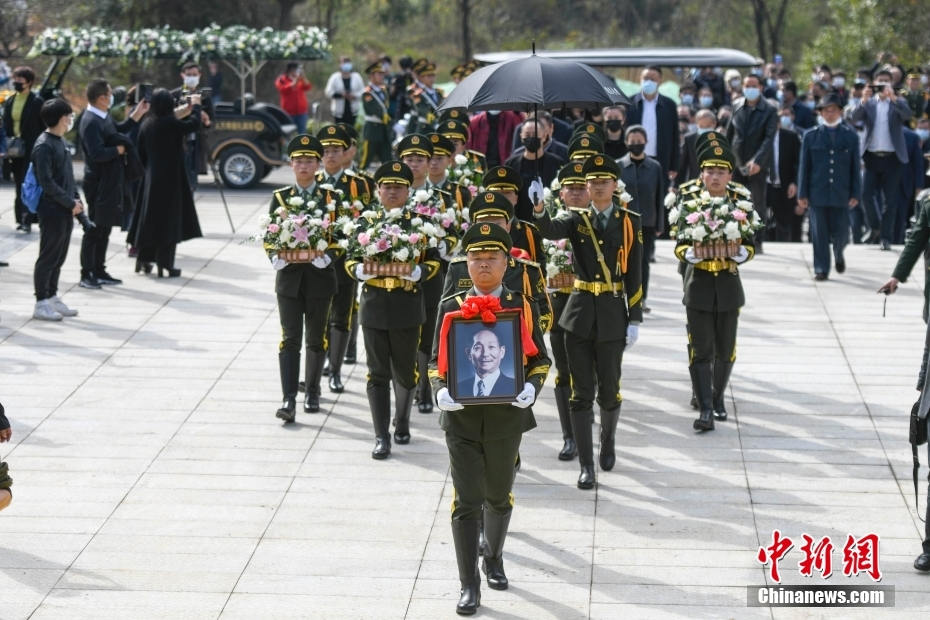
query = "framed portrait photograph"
{"x": 485, "y": 360}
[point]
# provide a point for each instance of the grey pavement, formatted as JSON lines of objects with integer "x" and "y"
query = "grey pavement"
{"x": 152, "y": 479}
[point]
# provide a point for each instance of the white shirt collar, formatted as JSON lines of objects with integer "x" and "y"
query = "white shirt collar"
{"x": 97, "y": 112}
{"x": 488, "y": 382}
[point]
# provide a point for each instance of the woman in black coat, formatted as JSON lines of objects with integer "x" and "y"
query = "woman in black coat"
{"x": 30, "y": 127}
{"x": 165, "y": 214}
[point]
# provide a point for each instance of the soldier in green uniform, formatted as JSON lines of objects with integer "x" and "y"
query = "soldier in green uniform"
{"x": 525, "y": 235}
{"x": 453, "y": 194}
{"x": 377, "y": 132}
{"x": 583, "y": 146}
{"x": 304, "y": 290}
{"x": 424, "y": 98}
{"x": 916, "y": 246}
{"x": 483, "y": 440}
{"x": 455, "y": 127}
{"x": 392, "y": 314}
{"x": 336, "y": 142}
{"x": 713, "y": 292}
{"x": 917, "y": 97}
{"x": 603, "y": 312}
{"x": 573, "y": 194}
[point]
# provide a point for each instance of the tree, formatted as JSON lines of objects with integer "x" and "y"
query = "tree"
{"x": 769, "y": 27}
{"x": 14, "y": 36}
{"x": 465, "y": 16}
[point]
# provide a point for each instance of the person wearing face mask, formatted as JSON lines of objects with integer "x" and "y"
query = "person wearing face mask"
{"x": 689, "y": 167}
{"x": 195, "y": 155}
{"x": 658, "y": 114}
{"x": 550, "y": 143}
{"x": 344, "y": 89}
{"x": 705, "y": 100}
{"x": 687, "y": 95}
{"x": 614, "y": 145}
{"x": 533, "y": 161}
{"x": 803, "y": 116}
{"x": 883, "y": 116}
{"x": 104, "y": 144}
{"x": 750, "y": 133}
{"x": 782, "y": 188}
{"x": 838, "y": 81}
{"x": 829, "y": 185}
{"x": 734, "y": 82}
{"x": 22, "y": 124}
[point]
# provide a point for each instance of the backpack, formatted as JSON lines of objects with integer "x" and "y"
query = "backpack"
{"x": 31, "y": 191}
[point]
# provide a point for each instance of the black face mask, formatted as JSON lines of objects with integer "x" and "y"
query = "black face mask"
{"x": 614, "y": 125}
{"x": 19, "y": 87}
{"x": 636, "y": 149}
{"x": 532, "y": 143}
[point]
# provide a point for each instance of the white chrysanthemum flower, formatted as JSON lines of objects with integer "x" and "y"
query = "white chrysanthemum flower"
{"x": 295, "y": 201}
{"x": 371, "y": 249}
{"x": 698, "y": 233}
{"x": 321, "y": 245}
{"x": 402, "y": 254}
{"x": 731, "y": 230}
{"x": 460, "y": 160}
{"x": 745, "y": 205}
{"x": 625, "y": 197}
{"x": 670, "y": 199}
{"x": 555, "y": 185}
{"x": 673, "y": 215}
{"x": 421, "y": 195}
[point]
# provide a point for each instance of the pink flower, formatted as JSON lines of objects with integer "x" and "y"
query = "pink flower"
{"x": 465, "y": 226}
{"x": 422, "y": 209}
{"x": 446, "y": 222}
{"x": 301, "y": 234}
{"x": 561, "y": 244}
{"x": 739, "y": 215}
{"x": 414, "y": 238}
{"x": 325, "y": 223}
{"x": 273, "y": 228}
{"x": 364, "y": 239}
{"x": 473, "y": 190}
{"x": 693, "y": 218}
{"x": 713, "y": 224}
{"x": 383, "y": 244}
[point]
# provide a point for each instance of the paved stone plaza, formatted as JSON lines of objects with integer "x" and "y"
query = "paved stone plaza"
{"x": 152, "y": 479}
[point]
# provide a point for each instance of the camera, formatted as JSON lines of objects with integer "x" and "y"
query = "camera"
{"x": 145, "y": 92}
{"x": 85, "y": 221}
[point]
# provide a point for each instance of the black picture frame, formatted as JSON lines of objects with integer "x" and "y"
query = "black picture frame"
{"x": 463, "y": 337}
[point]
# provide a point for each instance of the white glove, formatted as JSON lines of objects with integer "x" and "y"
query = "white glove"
{"x": 526, "y": 397}
{"x": 632, "y": 334}
{"x": 278, "y": 263}
{"x": 689, "y": 256}
{"x": 444, "y": 401}
{"x": 741, "y": 256}
{"x": 415, "y": 275}
{"x": 360, "y": 274}
{"x": 535, "y": 192}
{"x": 321, "y": 262}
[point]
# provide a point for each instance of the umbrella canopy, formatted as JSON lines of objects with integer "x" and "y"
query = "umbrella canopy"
{"x": 643, "y": 56}
{"x": 534, "y": 82}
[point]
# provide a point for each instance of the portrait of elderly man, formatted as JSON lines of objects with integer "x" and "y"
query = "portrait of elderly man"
{"x": 484, "y": 376}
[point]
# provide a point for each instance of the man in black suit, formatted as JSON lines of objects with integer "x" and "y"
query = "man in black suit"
{"x": 486, "y": 354}
{"x": 885, "y": 157}
{"x": 750, "y": 133}
{"x": 104, "y": 145}
{"x": 21, "y": 119}
{"x": 782, "y": 188}
{"x": 688, "y": 164}
{"x": 659, "y": 115}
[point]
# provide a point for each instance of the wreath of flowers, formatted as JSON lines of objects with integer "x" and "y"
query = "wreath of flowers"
{"x": 706, "y": 218}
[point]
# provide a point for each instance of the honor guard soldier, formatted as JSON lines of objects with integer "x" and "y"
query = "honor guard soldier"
{"x": 335, "y": 143}
{"x": 453, "y": 194}
{"x": 917, "y": 97}
{"x": 424, "y": 98}
{"x": 713, "y": 292}
{"x": 455, "y": 127}
{"x": 525, "y": 235}
{"x": 377, "y": 133}
{"x": 521, "y": 275}
{"x": 573, "y": 194}
{"x": 304, "y": 290}
{"x": 416, "y": 151}
{"x": 603, "y": 312}
{"x": 392, "y": 313}
{"x": 483, "y": 439}
{"x": 583, "y": 146}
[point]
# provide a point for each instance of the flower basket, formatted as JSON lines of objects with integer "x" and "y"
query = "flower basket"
{"x": 562, "y": 280}
{"x": 299, "y": 256}
{"x": 373, "y": 267}
{"x": 717, "y": 248}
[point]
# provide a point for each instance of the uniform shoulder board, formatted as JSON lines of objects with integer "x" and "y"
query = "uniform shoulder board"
{"x": 451, "y": 297}
{"x": 739, "y": 188}
{"x": 281, "y": 190}
{"x": 525, "y": 261}
{"x": 458, "y": 259}
{"x": 688, "y": 186}
{"x": 527, "y": 224}
{"x": 629, "y": 211}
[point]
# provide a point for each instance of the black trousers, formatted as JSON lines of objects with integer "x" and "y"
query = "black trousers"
{"x": 880, "y": 192}
{"x": 54, "y": 238}
{"x": 295, "y": 313}
{"x": 590, "y": 361}
{"x": 787, "y": 223}
{"x": 18, "y": 167}
{"x": 557, "y": 340}
{"x": 482, "y": 475}
{"x": 392, "y": 354}
{"x": 756, "y": 185}
{"x": 712, "y": 335}
{"x": 649, "y": 252}
{"x": 94, "y": 250}
{"x": 340, "y": 316}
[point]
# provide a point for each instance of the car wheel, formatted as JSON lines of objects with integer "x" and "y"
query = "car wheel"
{"x": 239, "y": 167}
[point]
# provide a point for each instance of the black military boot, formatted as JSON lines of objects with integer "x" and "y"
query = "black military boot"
{"x": 289, "y": 367}
{"x": 403, "y": 401}
{"x": 609, "y": 418}
{"x": 313, "y": 370}
{"x": 379, "y": 400}
{"x": 703, "y": 386}
{"x": 694, "y": 402}
{"x": 352, "y": 347}
{"x": 465, "y": 538}
{"x": 581, "y": 427}
{"x": 424, "y": 391}
{"x": 495, "y": 529}
{"x": 922, "y": 563}
{"x": 562, "y": 395}
{"x": 338, "y": 340}
{"x": 722, "y": 372}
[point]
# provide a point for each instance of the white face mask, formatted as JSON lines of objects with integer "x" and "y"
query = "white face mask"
{"x": 191, "y": 81}
{"x": 834, "y": 123}
{"x": 70, "y": 123}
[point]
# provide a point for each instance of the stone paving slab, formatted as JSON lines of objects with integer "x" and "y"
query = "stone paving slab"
{"x": 153, "y": 481}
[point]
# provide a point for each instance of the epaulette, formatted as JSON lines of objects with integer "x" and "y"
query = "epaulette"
{"x": 738, "y": 188}
{"x": 452, "y": 296}
{"x": 283, "y": 189}
{"x": 619, "y": 208}
{"x": 526, "y": 261}
{"x": 690, "y": 185}
{"x": 458, "y": 259}
{"x": 529, "y": 224}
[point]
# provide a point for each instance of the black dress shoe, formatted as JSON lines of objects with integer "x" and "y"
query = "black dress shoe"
{"x": 311, "y": 403}
{"x": 586, "y": 479}
{"x": 705, "y": 422}
{"x": 172, "y": 272}
{"x": 335, "y": 383}
{"x": 840, "y": 266}
{"x": 382, "y": 448}
{"x": 885, "y": 245}
{"x": 569, "y": 450}
{"x": 105, "y": 278}
{"x": 820, "y": 277}
{"x": 288, "y": 410}
{"x": 425, "y": 406}
{"x": 922, "y": 563}
{"x": 89, "y": 282}
{"x": 3, "y": 263}
{"x": 401, "y": 438}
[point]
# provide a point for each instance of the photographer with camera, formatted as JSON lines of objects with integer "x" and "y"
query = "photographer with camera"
{"x": 194, "y": 156}
{"x": 51, "y": 163}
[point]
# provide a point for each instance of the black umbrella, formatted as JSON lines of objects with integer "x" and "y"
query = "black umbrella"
{"x": 534, "y": 82}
